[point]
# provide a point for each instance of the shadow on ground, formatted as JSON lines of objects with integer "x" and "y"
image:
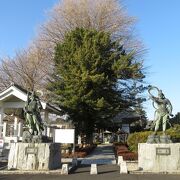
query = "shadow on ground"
{"x": 102, "y": 169}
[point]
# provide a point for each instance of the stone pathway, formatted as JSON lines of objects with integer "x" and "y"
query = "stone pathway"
{"x": 103, "y": 154}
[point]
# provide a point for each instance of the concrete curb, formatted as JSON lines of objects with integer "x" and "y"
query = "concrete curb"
{"x": 148, "y": 172}
{"x": 54, "y": 172}
{"x": 57, "y": 171}
{"x": 30, "y": 172}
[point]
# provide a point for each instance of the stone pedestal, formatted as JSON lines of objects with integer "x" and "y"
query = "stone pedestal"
{"x": 34, "y": 156}
{"x": 153, "y": 139}
{"x": 159, "y": 157}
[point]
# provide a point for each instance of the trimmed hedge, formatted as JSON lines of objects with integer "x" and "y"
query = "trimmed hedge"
{"x": 80, "y": 152}
{"x": 129, "y": 156}
{"x": 122, "y": 150}
{"x": 141, "y": 137}
{"x": 174, "y": 133}
{"x": 137, "y": 137}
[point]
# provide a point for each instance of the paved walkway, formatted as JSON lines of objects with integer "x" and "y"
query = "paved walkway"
{"x": 103, "y": 154}
{"x": 81, "y": 176}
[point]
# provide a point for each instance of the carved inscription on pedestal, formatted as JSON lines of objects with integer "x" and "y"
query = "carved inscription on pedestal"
{"x": 163, "y": 151}
{"x": 31, "y": 150}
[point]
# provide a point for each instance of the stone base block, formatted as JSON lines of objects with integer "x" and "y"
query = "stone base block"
{"x": 94, "y": 169}
{"x": 164, "y": 139}
{"x": 159, "y": 157}
{"x": 34, "y": 156}
{"x": 65, "y": 169}
{"x": 120, "y": 159}
{"x": 123, "y": 167}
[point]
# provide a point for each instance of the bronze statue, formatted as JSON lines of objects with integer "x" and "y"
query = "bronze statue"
{"x": 163, "y": 109}
{"x": 32, "y": 114}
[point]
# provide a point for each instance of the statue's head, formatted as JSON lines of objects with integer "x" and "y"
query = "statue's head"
{"x": 160, "y": 94}
{"x": 33, "y": 95}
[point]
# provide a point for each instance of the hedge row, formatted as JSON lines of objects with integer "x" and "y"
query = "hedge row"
{"x": 141, "y": 137}
{"x": 137, "y": 137}
{"x": 122, "y": 150}
{"x": 174, "y": 133}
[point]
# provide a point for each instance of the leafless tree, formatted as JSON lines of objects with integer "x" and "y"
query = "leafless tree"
{"x": 31, "y": 67}
{"x": 103, "y": 15}
{"x": 28, "y": 69}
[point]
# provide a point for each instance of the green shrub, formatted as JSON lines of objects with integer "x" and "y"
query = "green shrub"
{"x": 141, "y": 137}
{"x": 137, "y": 137}
{"x": 174, "y": 133}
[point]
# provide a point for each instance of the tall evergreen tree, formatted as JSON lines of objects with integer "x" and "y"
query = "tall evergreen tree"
{"x": 89, "y": 68}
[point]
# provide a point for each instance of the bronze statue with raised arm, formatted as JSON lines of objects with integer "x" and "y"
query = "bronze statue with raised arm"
{"x": 163, "y": 110}
{"x": 33, "y": 117}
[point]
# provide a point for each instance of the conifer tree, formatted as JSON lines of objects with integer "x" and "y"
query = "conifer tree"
{"x": 88, "y": 71}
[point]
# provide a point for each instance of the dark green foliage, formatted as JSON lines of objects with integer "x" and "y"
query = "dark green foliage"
{"x": 174, "y": 133}
{"x": 175, "y": 119}
{"x": 89, "y": 72}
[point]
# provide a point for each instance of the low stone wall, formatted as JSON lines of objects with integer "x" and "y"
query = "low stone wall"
{"x": 159, "y": 157}
{"x": 34, "y": 156}
{"x": 132, "y": 165}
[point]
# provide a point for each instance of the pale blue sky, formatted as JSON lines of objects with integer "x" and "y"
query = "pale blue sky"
{"x": 19, "y": 21}
{"x": 158, "y": 26}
